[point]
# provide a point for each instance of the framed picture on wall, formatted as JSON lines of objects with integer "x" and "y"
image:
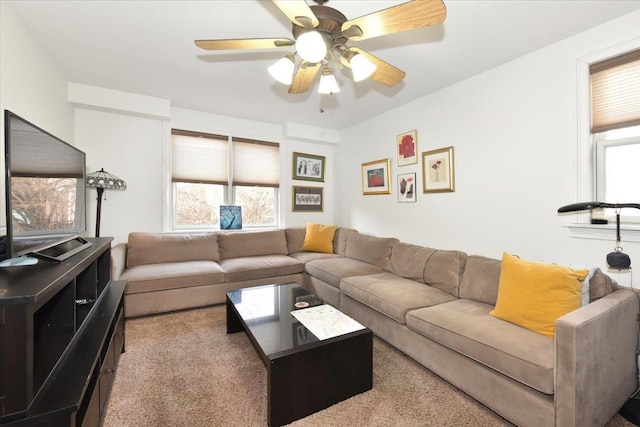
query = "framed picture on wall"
{"x": 375, "y": 177}
{"x": 407, "y": 148}
{"x": 407, "y": 187}
{"x": 308, "y": 167}
{"x": 438, "y": 173}
{"x": 308, "y": 199}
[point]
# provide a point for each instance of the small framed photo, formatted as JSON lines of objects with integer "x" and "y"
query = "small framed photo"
{"x": 308, "y": 167}
{"x": 231, "y": 217}
{"x": 438, "y": 171}
{"x": 407, "y": 187}
{"x": 308, "y": 199}
{"x": 407, "y": 148}
{"x": 375, "y": 177}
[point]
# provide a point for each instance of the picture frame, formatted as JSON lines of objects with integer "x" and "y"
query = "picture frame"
{"x": 376, "y": 177}
{"x": 407, "y": 148}
{"x": 230, "y": 217}
{"x": 307, "y": 199}
{"x": 308, "y": 167}
{"x": 407, "y": 187}
{"x": 438, "y": 171}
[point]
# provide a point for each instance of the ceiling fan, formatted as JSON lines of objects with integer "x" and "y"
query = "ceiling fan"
{"x": 320, "y": 36}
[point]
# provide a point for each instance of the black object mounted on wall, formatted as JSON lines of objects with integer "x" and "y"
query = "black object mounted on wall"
{"x": 616, "y": 259}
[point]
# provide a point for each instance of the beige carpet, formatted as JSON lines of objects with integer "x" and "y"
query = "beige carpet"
{"x": 182, "y": 369}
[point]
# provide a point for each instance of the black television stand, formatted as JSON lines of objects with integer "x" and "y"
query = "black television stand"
{"x": 61, "y": 335}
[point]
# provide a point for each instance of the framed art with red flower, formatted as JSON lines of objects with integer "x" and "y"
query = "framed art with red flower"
{"x": 407, "y": 148}
{"x": 438, "y": 171}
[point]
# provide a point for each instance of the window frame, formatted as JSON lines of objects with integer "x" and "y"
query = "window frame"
{"x": 169, "y": 190}
{"x": 584, "y": 186}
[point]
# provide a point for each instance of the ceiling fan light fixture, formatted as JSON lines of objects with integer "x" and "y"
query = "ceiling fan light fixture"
{"x": 282, "y": 70}
{"x": 328, "y": 84}
{"x": 361, "y": 67}
{"x": 311, "y": 47}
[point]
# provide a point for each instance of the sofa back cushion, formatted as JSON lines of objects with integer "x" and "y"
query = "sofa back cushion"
{"x": 340, "y": 240}
{"x": 295, "y": 238}
{"x": 600, "y": 285}
{"x": 252, "y": 243}
{"x": 370, "y": 249}
{"x": 156, "y": 248}
{"x": 409, "y": 260}
{"x": 444, "y": 270}
{"x": 481, "y": 279}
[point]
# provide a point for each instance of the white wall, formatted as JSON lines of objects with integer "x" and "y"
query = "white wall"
{"x": 31, "y": 86}
{"x": 129, "y": 147}
{"x": 513, "y": 129}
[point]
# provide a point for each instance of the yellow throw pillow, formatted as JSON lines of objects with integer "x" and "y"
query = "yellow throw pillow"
{"x": 535, "y": 295}
{"x": 319, "y": 238}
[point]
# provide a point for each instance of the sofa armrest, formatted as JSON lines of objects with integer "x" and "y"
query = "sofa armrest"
{"x": 596, "y": 368}
{"x": 118, "y": 260}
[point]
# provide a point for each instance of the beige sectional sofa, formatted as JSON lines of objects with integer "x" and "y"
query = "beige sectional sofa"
{"x": 433, "y": 305}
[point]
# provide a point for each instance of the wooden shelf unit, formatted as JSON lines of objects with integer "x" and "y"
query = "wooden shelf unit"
{"x": 61, "y": 335}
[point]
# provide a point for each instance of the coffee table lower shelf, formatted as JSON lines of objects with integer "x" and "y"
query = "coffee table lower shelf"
{"x": 309, "y": 378}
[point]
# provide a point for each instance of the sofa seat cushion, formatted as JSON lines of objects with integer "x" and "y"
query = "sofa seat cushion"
{"x": 305, "y": 257}
{"x": 392, "y": 295}
{"x": 333, "y": 270}
{"x": 260, "y": 267}
{"x": 465, "y": 326}
{"x": 171, "y": 275}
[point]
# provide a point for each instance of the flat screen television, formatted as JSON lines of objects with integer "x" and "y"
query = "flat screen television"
{"x": 45, "y": 190}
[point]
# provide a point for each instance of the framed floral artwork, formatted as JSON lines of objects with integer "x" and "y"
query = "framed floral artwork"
{"x": 308, "y": 199}
{"x": 407, "y": 187}
{"x": 375, "y": 177}
{"x": 407, "y": 148}
{"x": 438, "y": 173}
{"x": 308, "y": 167}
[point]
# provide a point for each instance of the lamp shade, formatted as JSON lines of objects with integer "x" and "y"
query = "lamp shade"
{"x": 328, "y": 83}
{"x": 311, "y": 47}
{"x": 282, "y": 70}
{"x": 103, "y": 179}
{"x": 361, "y": 67}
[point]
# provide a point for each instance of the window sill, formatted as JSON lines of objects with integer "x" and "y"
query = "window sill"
{"x": 628, "y": 232}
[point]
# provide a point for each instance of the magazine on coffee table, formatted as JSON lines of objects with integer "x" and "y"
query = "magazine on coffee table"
{"x": 325, "y": 322}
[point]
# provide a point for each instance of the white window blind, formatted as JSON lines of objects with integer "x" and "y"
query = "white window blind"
{"x": 615, "y": 92}
{"x": 256, "y": 163}
{"x": 200, "y": 158}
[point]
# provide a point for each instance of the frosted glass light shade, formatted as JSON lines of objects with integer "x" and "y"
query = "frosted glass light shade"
{"x": 311, "y": 47}
{"x": 328, "y": 84}
{"x": 282, "y": 70}
{"x": 361, "y": 67}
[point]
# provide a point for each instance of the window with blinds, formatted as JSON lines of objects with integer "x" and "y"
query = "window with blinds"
{"x": 209, "y": 171}
{"x": 256, "y": 163}
{"x": 615, "y": 125}
{"x": 615, "y": 92}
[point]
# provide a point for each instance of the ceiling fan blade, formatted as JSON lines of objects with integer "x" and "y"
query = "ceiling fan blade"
{"x": 298, "y": 12}
{"x": 233, "y": 44}
{"x": 405, "y": 16}
{"x": 304, "y": 76}
{"x": 385, "y": 73}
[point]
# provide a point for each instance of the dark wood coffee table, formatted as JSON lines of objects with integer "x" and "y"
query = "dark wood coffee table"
{"x": 304, "y": 374}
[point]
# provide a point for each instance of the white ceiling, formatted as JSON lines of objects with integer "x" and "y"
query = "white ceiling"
{"x": 146, "y": 47}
